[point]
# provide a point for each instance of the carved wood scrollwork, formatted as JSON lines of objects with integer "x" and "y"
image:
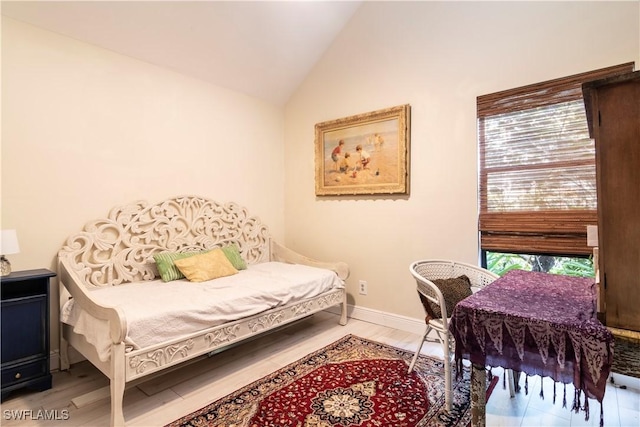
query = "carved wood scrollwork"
{"x": 118, "y": 249}
{"x": 221, "y": 336}
{"x": 161, "y": 356}
{"x": 302, "y": 309}
{"x": 330, "y": 300}
{"x": 266, "y": 321}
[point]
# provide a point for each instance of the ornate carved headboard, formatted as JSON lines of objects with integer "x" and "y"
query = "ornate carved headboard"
{"x": 119, "y": 249}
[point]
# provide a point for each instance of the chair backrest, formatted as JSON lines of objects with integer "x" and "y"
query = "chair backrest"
{"x": 425, "y": 271}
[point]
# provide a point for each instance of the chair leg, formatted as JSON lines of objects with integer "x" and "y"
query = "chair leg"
{"x": 415, "y": 357}
{"x": 448, "y": 397}
{"x": 511, "y": 379}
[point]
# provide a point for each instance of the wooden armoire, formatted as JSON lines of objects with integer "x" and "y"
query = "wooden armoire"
{"x": 613, "y": 113}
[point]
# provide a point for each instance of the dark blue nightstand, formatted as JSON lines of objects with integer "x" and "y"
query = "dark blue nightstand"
{"x": 24, "y": 309}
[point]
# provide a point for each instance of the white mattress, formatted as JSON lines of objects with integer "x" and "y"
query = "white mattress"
{"x": 157, "y": 311}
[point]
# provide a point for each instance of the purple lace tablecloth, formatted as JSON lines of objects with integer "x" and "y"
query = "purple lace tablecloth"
{"x": 540, "y": 324}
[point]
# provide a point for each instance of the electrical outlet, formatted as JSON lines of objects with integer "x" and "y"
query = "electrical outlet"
{"x": 363, "y": 287}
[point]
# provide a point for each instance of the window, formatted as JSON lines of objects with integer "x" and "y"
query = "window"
{"x": 577, "y": 266}
{"x": 537, "y": 186}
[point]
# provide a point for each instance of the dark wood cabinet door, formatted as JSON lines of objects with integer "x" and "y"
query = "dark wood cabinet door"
{"x": 23, "y": 320}
{"x": 24, "y": 316}
{"x": 615, "y": 111}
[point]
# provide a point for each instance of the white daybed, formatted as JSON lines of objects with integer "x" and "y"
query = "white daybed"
{"x": 119, "y": 315}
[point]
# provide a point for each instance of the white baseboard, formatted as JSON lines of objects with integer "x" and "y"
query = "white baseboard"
{"x": 382, "y": 318}
{"x": 625, "y": 381}
{"x": 417, "y": 326}
{"x": 54, "y": 360}
{"x": 377, "y": 317}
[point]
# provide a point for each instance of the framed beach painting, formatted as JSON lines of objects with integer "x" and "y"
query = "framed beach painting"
{"x": 364, "y": 154}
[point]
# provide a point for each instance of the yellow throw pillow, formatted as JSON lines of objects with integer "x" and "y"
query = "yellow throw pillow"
{"x": 207, "y": 266}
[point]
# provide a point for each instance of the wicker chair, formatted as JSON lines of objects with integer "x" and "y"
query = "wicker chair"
{"x": 424, "y": 272}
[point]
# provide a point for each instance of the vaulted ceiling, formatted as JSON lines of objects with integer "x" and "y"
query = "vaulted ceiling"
{"x": 261, "y": 48}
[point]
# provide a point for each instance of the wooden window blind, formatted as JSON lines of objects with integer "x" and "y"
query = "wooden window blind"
{"x": 537, "y": 186}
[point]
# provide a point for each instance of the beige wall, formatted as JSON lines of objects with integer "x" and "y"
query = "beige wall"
{"x": 438, "y": 57}
{"x": 84, "y": 129}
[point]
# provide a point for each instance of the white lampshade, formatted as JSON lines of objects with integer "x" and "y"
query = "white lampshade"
{"x": 9, "y": 242}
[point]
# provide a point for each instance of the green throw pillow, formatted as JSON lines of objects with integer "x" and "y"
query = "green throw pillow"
{"x": 233, "y": 254}
{"x": 166, "y": 267}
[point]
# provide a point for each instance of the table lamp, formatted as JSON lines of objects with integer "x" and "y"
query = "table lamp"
{"x": 9, "y": 243}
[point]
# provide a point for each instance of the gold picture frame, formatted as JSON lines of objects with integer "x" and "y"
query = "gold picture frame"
{"x": 364, "y": 154}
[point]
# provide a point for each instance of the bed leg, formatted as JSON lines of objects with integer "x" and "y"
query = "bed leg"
{"x": 64, "y": 354}
{"x": 117, "y": 384}
{"x": 343, "y": 314}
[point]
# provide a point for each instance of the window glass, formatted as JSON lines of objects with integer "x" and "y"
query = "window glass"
{"x": 501, "y": 263}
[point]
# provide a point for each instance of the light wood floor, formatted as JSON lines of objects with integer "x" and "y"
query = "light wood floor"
{"x": 164, "y": 399}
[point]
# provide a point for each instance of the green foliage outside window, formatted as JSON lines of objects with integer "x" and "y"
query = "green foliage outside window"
{"x": 500, "y": 263}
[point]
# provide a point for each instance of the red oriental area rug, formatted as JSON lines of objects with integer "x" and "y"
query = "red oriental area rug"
{"x": 352, "y": 382}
